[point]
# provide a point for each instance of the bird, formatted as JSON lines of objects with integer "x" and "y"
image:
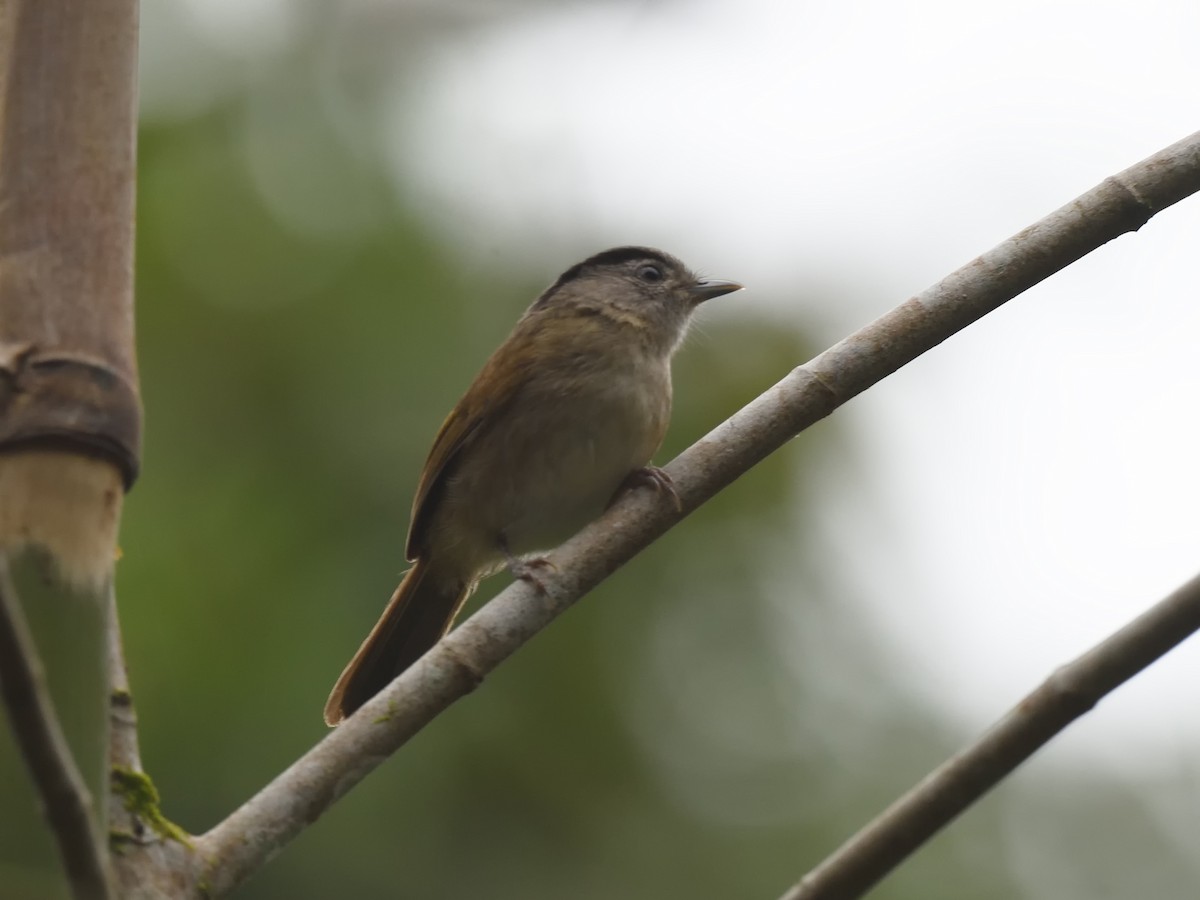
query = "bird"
{"x": 563, "y": 417}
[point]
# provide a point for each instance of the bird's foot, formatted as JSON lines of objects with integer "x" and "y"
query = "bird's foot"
{"x": 651, "y": 477}
{"x": 527, "y": 569}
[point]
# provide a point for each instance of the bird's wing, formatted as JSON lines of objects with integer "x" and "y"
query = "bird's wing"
{"x": 485, "y": 402}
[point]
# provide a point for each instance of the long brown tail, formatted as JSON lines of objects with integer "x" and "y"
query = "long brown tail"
{"x": 421, "y": 610}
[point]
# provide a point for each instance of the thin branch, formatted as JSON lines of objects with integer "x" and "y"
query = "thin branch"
{"x": 152, "y": 856}
{"x": 35, "y": 725}
{"x": 298, "y": 796}
{"x": 1071, "y": 691}
{"x": 123, "y": 749}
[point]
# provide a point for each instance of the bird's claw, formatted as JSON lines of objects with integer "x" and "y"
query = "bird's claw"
{"x": 652, "y": 477}
{"x": 526, "y": 569}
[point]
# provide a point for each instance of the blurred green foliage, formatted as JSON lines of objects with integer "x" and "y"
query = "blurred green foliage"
{"x": 708, "y": 724}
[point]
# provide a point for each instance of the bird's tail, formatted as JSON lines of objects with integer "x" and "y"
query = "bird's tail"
{"x": 421, "y": 610}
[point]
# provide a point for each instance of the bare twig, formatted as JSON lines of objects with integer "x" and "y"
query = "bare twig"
{"x": 1071, "y": 691}
{"x": 123, "y": 750}
{"x": 240, "y": 844}
{"x": 35, "y": 725}
{"x": 152, "y": 857}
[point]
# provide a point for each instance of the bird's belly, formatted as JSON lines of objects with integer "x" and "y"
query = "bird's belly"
{"x": 553, "y": 464}
{"x": 565, "y": 479}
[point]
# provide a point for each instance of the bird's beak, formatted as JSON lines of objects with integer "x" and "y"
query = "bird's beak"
{"x": 706, "y": 290}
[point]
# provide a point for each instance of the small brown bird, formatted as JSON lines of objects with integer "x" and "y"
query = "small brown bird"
{"x": 564, "y": 414}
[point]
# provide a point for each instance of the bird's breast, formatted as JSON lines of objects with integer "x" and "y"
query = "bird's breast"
{"x": 552, "y": 461}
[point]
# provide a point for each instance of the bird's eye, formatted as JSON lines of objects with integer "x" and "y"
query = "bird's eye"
{"x": 651, "y": 274}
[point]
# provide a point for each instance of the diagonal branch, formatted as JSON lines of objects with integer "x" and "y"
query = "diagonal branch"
{"x": 1125, "y": 202}
{"x": 1071, "y": 691}
{"x": 38, "y": 733}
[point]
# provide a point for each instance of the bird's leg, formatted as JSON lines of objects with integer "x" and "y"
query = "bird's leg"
{"x": 525, "y": 569}
{"x": 652, "y": 477}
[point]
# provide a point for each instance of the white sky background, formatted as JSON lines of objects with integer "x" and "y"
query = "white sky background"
{"x": 1041, "y": 472}
{"x": 1036, "y": 479}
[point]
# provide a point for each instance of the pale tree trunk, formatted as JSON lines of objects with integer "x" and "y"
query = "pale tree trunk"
{"x": 70, "y": 416}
